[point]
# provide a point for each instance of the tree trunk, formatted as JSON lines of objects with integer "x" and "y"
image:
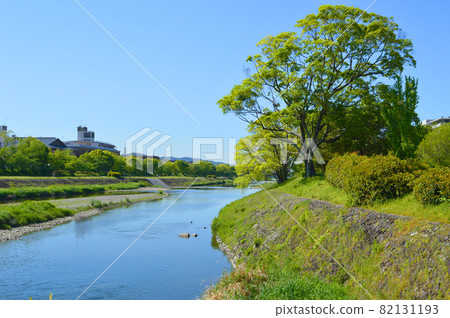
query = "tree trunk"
{"x": 310, "y": 171}
{"x": 281, "y": 176}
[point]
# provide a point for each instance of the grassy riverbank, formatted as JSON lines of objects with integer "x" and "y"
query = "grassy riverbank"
{"x": 62, "y": 190}
{"x": 183, "y": 182}
{"x": 318, "y": 188}
{"x": 282, "y": 246}
{"x": 32, "y": 212}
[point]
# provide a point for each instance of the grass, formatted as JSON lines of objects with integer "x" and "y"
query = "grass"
{"x": 13, "y": 215}
{"x": 278, "y": 283}
{"x": 409, "y": 206}
{"x": 314, "y": 188}
{"x": 318, "y": 188}
{"x": 52, "y": 178}
{"x": 279, "y": 260}
{"x": 62, "y": 190}
{"x": 30, "y": 212}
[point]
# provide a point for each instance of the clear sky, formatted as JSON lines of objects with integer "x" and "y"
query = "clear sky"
{"x": 59, "y": 69}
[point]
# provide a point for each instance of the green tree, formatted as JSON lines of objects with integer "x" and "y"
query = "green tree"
{"x": 120, "y": 164}
{"x": 30, "y": 158}
{"x": 263, "y": 155}
{"x": 60, "y": 159}
{"x": 182, "y": 167}
{"x": 365, "y": 131}
{"x": 302, "y": 82}
{"x": 97, "y": 161}
{"x": 8, "y": 149}
{"x": 168, "y": 169}
{"x": 435, "y": 147}
{"x": 202, "y": 169}
{"x": 403, "y": 129}
{"x": 224, "y": 170}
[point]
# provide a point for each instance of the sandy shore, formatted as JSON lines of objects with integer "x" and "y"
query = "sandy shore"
{"x": 79, "y": 204}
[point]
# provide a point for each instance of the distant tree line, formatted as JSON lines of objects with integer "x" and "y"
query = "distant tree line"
{"x": 30, "y": 157}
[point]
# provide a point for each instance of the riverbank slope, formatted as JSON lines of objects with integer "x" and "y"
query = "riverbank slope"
{"x": 288, "y": 247}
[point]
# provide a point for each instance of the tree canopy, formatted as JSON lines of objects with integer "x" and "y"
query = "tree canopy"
{"x": 403, "y": 129}
{"x": 305, "y": 83}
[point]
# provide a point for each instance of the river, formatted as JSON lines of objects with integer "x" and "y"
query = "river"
{"x": 65, "y": 260}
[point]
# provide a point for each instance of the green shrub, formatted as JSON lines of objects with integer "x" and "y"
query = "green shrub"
{"x": 367, "y": 180}
{"x": 433, "y": 186}
{"x": 211, "y": 176}
{"x": 115, "y": 174}
{"x": 379, "y": 178}
{"x": 339, "y": 170}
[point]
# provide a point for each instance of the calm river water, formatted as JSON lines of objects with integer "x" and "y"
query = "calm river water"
{"x": 65, "y": 260}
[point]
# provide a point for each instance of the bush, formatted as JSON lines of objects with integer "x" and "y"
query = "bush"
{"x": 367, "y": 180}
{"x": 339, "y": 169}
{"x": 433, "y": 186}
{"x": 435, "y": 147}
{"x": 211, "y": 176}
{"x": 115, "y": 174}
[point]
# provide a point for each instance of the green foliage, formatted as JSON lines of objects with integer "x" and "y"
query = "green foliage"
{"x": 433, "y": 186}
{"x": 98, "y": 161}
{"x": 115, "y": 174}
{"x": 224, "y": 170}
{"x": 287, "y": 284}
{"x": 339, "y": 170}
{"x": 61, "y": 190}
{"x": 28, "y": 213}
{"x": 62, "y": 160}
{"x": 24, "y": 157}
{"x": 435, "y": 147}
{"x": 278, "y": 283}
{"x": 305, "y": 84}
{"x": 318, "y": 188}
{"x": 370, "y": 179}
{"x": 390, "y": 265}
{"x": 263, "y": 155}
{"x": 404, "y": 131}
{"x": 30, "y": 157}
{"x": 314, "y": 188}
{"x": 182, "y": 167}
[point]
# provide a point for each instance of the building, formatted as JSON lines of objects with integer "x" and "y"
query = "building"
{"x": 3, "y": 130}
{"x": 434, "y": 123}
{"x": 53, "y": 143}
{"x": 86, "y": 143}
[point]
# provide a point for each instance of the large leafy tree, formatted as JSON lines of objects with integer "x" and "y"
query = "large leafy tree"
{"x": 97, "y": 161}
{"x": 29, "y": 157}
{"x": 303, "y": 82}
{"x": 61, "y": 159}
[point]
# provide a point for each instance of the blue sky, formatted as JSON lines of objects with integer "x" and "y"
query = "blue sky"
{"x": 59, "y": 69}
